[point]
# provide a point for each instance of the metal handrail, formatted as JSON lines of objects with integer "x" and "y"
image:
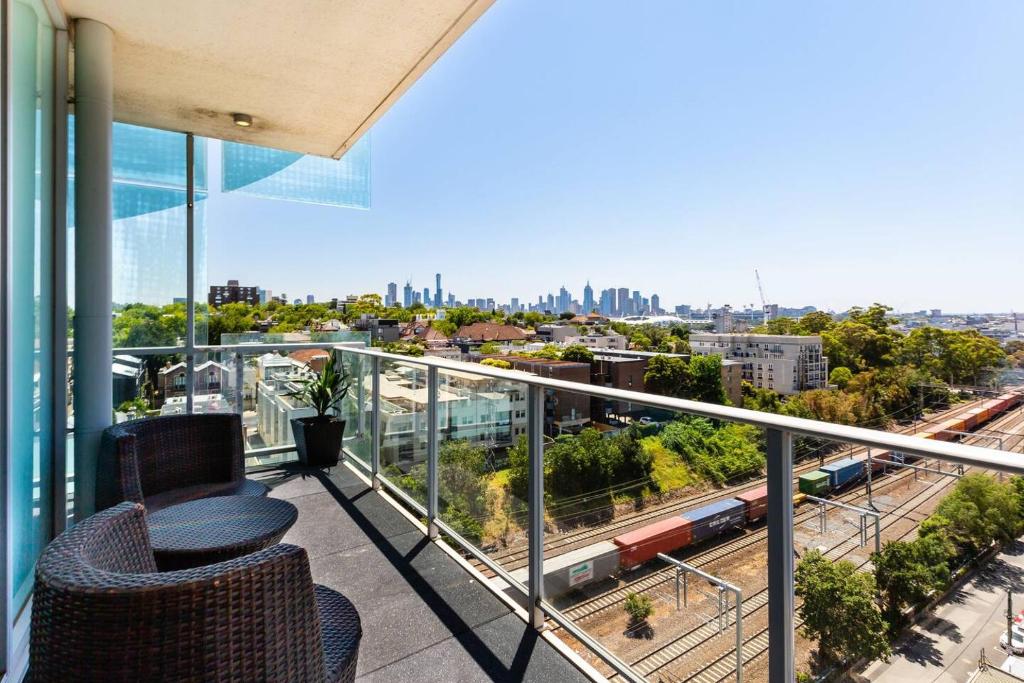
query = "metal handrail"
{"x": 779, "y": 432}
{"x": 873, "y": 438}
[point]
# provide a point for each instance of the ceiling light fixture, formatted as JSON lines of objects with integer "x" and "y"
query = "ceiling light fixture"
{"x": 243, "y": 120}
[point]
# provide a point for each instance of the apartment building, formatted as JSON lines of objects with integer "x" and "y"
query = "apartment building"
{"x": 613, "y": 341}
{"x": 481, "y": 410}
{"x": 233, "y": 293}
{"x": 784, "y": 363}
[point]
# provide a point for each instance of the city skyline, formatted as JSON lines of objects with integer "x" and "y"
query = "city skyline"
{"x": 711, "y": 142}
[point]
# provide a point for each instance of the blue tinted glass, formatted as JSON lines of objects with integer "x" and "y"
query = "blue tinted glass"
{"x": 274, "y": 174}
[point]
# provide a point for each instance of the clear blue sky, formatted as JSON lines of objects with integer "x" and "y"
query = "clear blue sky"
{"x": 851, "y": 151}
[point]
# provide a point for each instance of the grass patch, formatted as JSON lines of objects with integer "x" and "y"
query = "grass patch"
{"x": 670, "y": 472}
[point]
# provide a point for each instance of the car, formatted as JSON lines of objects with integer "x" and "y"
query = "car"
{"x": 646, "y": 420}
{"x": 1018, "y": 641}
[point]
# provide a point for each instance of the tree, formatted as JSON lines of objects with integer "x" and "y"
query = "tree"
{"x": 638, "y": 606}
{"x": 578, "y": 353}
{"x": 758, "y": 398}
{"x": 705, "y": 383}
{"x": 496, "y": 363}
{"x": 490, "y": 348}
{"x": 979, "y": 511}
{"x": 464, "y": 315}
{"x": 815, "y": 322}
{"x": 906, "y": 572}
{"x": 840, "y": 376}
{"x": 666, "y": 375}
{"x": 839, "y": 609}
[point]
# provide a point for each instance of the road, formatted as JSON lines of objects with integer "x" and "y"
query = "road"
{"x": 944, "y": 648}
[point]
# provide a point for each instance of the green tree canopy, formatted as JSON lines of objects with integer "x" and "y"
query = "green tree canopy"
{"x": 666, "y": 375}
{"x": 907, "y": 571}
{"x": 578, "y": 353}
{"x": 839, "y": 609}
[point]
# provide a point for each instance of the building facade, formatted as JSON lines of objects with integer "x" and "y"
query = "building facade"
{"x": 783, "y": 363}
{"x": 233, "y": 293}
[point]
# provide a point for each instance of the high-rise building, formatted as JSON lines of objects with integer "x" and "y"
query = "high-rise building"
{"x": 232, "y": 293}
{"x": 438, "y": 299}
{"x": 515, "y": 305}
{"x": 564, "y": 300}
{"x": 607, "y": 305}
{"x": 451, "y": 300}
{"x": 426, "y": 296}
{"x": 622, "y": 304}
{"x": 588, "y": 298}
{"x": 391, "y": 298}
{"x": 551, "y": 303}
{"x": 407, "y": 294}
{"x": 656, "y": 305}
{"x": 416, "y": 298}
{"x": 637, "y": 303}
{"x": 310, "y": 299}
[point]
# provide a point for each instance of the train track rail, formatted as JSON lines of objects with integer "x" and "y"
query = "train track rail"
{"x": 724, "y": 666}
{"x": 515, "y": 558}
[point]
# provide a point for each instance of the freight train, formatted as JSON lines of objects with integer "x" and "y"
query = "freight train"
{"x": 628, "y": 551}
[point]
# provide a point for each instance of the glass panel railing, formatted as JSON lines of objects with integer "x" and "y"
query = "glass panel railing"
{"x": 403, "y": 427}
{"x": 357, "y": 406}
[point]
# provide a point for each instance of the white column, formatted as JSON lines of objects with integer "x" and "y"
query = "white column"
{"x": 94, "y": 114}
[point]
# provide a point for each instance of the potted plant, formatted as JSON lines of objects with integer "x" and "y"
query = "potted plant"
{"x": 318, "y": 438}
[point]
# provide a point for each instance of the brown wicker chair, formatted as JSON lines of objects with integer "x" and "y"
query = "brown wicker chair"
{"x": 102, "y": 613}
{"x": 163, "y": 461}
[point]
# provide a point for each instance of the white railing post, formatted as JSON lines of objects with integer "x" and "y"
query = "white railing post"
{"x": 375, "y": 429}
{"x": 535, "y": 503}
{"x": 780, "y": 556}
{"x": 432, "y": 451}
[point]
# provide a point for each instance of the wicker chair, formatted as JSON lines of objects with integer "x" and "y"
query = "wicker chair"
{"x": 101, "y": 613}
{"x": 163, "y": 461}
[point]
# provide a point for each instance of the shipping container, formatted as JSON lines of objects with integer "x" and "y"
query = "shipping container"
{"x": 971, "y": 421}
{"x": 716, "y": 518}
{"x": 579, "y": 567}
{"x": 756, "y": 502}
{"x": 814, "y": 483}
{"x": 842, "y": 472}
{"x": 638, "y": 546}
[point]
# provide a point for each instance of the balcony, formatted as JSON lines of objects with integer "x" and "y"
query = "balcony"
{"x": 423, "y": 612}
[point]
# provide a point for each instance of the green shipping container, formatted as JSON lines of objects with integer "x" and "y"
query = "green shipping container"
{"x": 814, "y": 483}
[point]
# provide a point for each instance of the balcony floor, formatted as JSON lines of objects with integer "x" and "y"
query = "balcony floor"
{"x": 425, "y": 617}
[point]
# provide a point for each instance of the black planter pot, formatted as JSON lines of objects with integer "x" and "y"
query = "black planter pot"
{"x": 318, "y": 440}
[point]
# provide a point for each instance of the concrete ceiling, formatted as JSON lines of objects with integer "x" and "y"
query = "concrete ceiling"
{"x": 313, "y": 74}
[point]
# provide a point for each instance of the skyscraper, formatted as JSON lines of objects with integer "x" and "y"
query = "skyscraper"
{"x": 310, "y": 299}
{"x": 655, "y": 304}
{"x": 438, "y": 299}
{"x": 426, "y": 296}
{"x": 407, "y": 294}
{"x": 607, "y": 307}
{"x": 588, "y": 299}
{"x": 622, "y": 305}
{"x": 638, "y": 305}
{"x": 515, "y": 305}
{"x": 551, "y": 303}
{"x": 564, "y": 300}
{"x": 392, "y": 296}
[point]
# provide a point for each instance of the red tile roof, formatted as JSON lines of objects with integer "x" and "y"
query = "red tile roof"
{"x": 485, "y": 332}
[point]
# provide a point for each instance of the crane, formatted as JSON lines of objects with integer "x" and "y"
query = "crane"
{"x": 764, "y": 300}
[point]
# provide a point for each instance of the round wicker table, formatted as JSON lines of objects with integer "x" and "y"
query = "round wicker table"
{"x": 209, "y": 530}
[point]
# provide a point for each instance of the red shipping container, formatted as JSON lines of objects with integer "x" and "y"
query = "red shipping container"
{"x": 756, "y": 501}
{"x": 640, "y": 545}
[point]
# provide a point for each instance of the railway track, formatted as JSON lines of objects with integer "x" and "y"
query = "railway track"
{"x": 687, "y": 643}
{"x": 723, "y": 666}
{"x": 515, "y": 558}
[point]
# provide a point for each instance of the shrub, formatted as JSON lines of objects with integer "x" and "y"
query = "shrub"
{"x": 638, "y": 607}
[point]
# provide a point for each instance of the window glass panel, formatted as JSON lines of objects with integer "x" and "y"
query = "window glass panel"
{"x": 31, "y": 293}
